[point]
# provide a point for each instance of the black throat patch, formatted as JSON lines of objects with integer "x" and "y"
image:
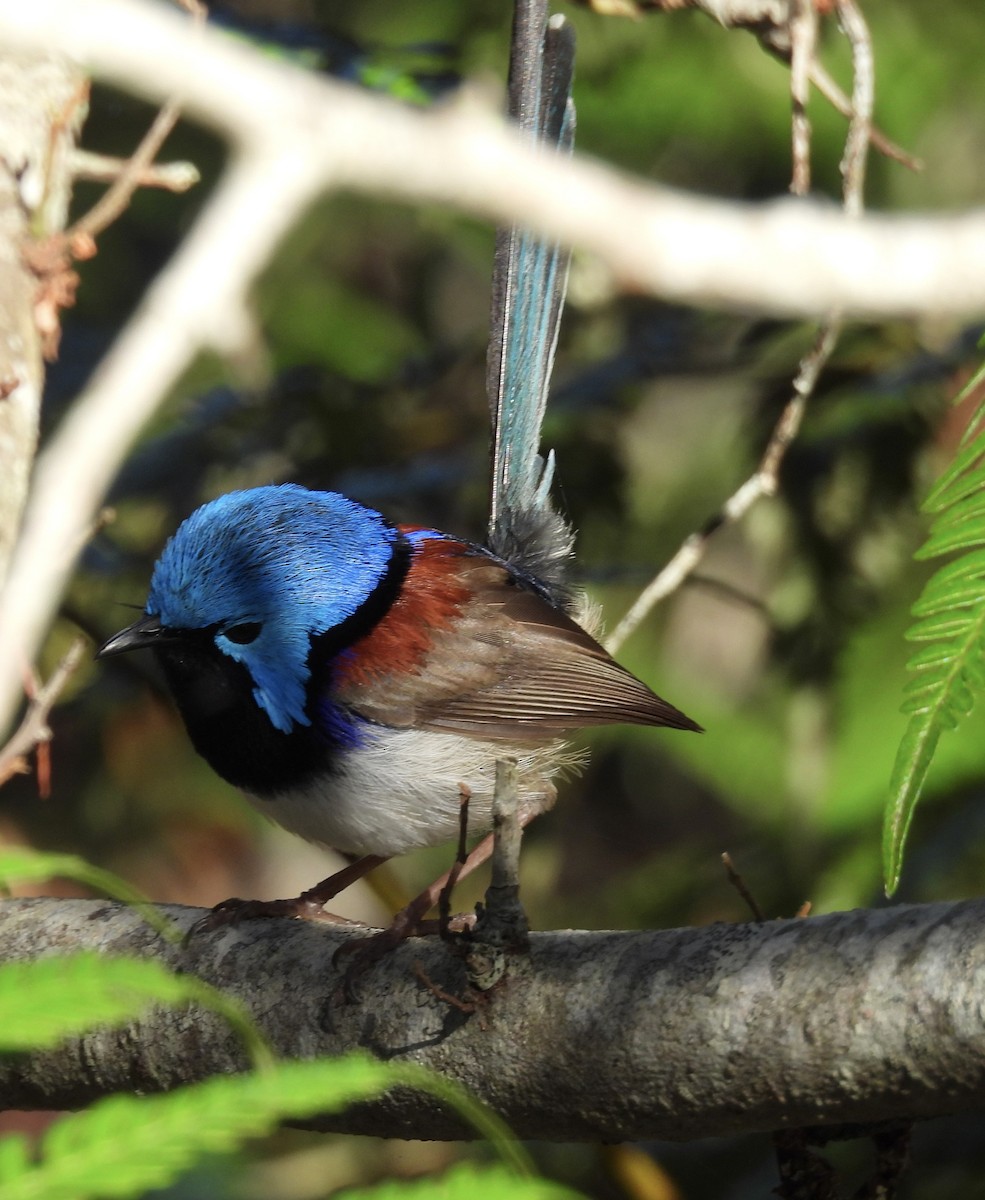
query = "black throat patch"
{"x": 214, "y": 694}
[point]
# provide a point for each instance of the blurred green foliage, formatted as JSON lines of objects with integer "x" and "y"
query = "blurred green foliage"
{"x": 787, "y": 646}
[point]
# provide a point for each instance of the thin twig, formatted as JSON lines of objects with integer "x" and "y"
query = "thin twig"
{"x": 736, "y": 880}
{"x": 764, "y": 20}
{"x": 766, "y": 478}
{"x": 855, "y": 157}
{"x": 71, "y": 116}
{"x": 763, "y": 482}
{"x": 51, "y": 258}
{"x": 119, "y": 194}
{"x": 439, "y": 993}
{"x": 501, "y": 924}
{"x": 830, "y": 90}
{"x": 505, "y": 861}
{"x": 33, "y": 730}
{"x": 803, "y": 39}
{"x": 444, "y": 899}
{"x": 104, "y": 168}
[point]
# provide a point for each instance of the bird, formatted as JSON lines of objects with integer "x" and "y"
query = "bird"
{"x": 356, "y": 678}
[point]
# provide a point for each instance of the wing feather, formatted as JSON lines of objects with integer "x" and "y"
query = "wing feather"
{"x": 510, "y": 665}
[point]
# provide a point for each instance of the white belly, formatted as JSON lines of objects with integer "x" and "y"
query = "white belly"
{"x": 402, "y": 790}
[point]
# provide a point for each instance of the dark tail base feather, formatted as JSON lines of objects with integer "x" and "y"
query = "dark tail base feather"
{"x": 539, "y": 546}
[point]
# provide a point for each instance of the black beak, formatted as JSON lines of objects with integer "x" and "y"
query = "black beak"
{"x": 146, "y": 631}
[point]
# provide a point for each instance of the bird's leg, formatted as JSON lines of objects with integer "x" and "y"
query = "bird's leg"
{"x": 409, "y": 921}
{"x": 310, "y": 905}
{"x": 363, "y": 952}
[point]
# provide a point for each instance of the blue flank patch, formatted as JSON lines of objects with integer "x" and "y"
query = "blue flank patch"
{"x": 427, "y": 535}
{"x": 340, "y": 727}
{"x": 294, "y": 561}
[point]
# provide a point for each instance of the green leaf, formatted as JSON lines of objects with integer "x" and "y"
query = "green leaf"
{"x": 940, "y": 625}
{"x": 953, "y": 484}
{"x": 482, "y": 1119}
{"x": 963, "y": 510}
{"x": 947, "y": 538}
{"x": 949, "y": 667}
{"x": 467, "y": 1181}
{"x": 399, "y": 84}
{"x": 968, "y": 566}
{"x": 945, "y": 600}
{"x": 913, "y": 761}
{"x": 929, "y": 657}
{"x": 44, "y": 1001}
{"x": 49, "y": 999}
{"x": 948, "y": 491}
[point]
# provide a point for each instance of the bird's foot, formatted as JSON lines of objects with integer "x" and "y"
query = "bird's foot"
{"x": 233, "y": 911}
{"x": 309, "y": 906}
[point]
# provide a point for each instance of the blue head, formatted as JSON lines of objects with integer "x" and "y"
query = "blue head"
{"x": 261, "y": 572}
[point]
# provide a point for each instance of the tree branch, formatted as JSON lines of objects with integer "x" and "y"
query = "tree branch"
{"x": 842, "y": 1019}
{"x": 33, "y": 731}
{"x": 40, "y": 111}
{"x": 687, "y": 248}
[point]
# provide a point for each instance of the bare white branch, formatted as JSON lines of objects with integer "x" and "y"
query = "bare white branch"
{"x": 685, "y": 247}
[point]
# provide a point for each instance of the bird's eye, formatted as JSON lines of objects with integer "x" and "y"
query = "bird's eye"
{"x": 243, "y": 634}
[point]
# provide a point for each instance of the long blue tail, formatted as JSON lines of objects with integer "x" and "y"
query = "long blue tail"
{"x": 530, "y": 279}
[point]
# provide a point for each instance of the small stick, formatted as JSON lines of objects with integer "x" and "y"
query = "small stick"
{"x": 439, "y": 993}
{"x": 855, "y": 157}
{"x": 838, "y": 100}
{"x": 502, "y": 905}
{"x": 501, "y": 924}
{"x": 736, "y": 880}
{"x": 803, "y": 39}
{"x": 444, "y": 898}
{"x": 775, "y": 36}
{"x": 119, "y": 194}
{"x": 105, "y": 168}
{"x": 33, "y": 730}
{"x": 765, "y": 480}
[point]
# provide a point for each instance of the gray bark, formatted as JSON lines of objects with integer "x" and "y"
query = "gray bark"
{"x": 853, "y": 1017}
{"x": 40, "y": 110}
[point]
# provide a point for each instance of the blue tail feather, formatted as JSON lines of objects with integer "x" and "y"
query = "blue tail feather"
{"x": 529, "y": 282}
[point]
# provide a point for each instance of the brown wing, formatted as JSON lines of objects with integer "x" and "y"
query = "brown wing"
{"x": 509, "y": 665}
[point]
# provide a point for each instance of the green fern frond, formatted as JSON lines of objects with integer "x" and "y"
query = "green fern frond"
{"x": 45, "y": 1001}
{"x": 949, "y": 668}
{"x": 124, "y": 1145}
